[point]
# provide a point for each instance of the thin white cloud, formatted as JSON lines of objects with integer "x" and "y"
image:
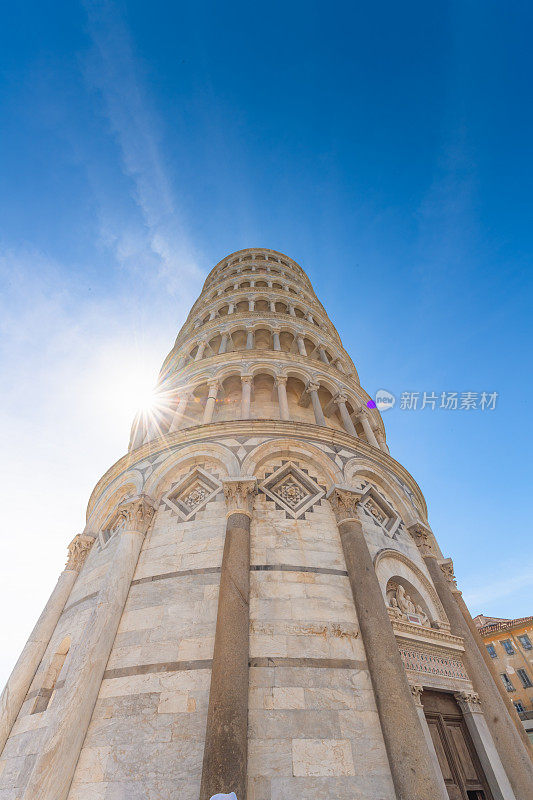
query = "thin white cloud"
{"x": 71, "y": 360}
{"x": 113, "y": 70}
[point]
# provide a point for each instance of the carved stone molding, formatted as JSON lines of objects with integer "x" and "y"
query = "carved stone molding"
{"x": 343, "y": 501}
{"x": 78, "y": 550}
{"x": 239, "y": 494}
{"x": 446, "y": 566}
{"x": 137, "y": 513}
{"x": 416, "y": 691}
{"x": 422, "y": 538}
{"x": 468, "y": 701}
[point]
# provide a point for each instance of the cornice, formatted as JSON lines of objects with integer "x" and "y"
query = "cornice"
{"x": 277, "y": 429}
{"x": 275, "y": 358}
{"x": 189, "y": 331}
{"x": 261, "y": 274}
{"x": 408, "y": 631}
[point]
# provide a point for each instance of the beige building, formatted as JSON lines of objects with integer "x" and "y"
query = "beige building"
{"x": 509, "y": 643}
{"x": 257, "y": 603}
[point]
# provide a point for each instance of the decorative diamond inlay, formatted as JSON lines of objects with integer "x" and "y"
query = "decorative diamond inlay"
{"x": 383, "y": 514}
{"x": 292, "y": 489}
{"x": 192, "y": 493}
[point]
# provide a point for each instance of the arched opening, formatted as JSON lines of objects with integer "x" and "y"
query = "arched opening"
{"x": 330, "y": 409}
{"x": 51, "y": 678}
{"x": 281, "y": 307}
{"x": 229, "y": 399}
{"x": 261, "y": 284}
{"x": 222, "y": 312}
{"x": 194, "y": 410}
{"x": 299, "y": 313}
{"x": 286, "y": 340}
{"x": 244, "y": 285}
{"x": 213, "y": 346}
{"x": 297, "y": 412}
{"x": 239, "y": 340}
{"x": 242, "y": 305}
{"x": 264, "y": 399}
{"x": 262, "y": 305}
{"x": 263, "y": 339}
{"x": 310, "y": 349}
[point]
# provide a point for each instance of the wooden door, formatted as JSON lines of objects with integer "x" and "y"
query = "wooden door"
{"x": 457, "y": 757}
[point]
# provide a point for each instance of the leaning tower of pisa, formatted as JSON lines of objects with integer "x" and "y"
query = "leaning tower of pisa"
{"x": 257, "y": 603}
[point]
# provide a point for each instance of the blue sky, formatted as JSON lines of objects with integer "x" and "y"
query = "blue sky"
{"x": 386, "y": 147}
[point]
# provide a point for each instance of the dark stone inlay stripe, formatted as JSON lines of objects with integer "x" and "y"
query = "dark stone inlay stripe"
{"x": 81, "y": 600}
{"x": 180, "y": 574}
{"x": 42, "y": 692}
{"x": 290, "y": 568}
{"x": 317, "y": 663}
{"x": 166, "y": 666}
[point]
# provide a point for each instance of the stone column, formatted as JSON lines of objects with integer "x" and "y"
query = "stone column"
{"x": 246, "y": 396}
{"x": 313, "y": 388}
{"x": 210, "y": 404}
{"x": 281, "y": 385}
{"x": 381, "y": 441}
{"x": 322, "y": 354}
{"x": 301, "y": 345}
{"x": 52, "y": 773}
{"x": 251, "y": 305}
{"x": 275, "y": 340}
{"x": 349, "y": 427}
{"x": 338, "y": 365}
{"x": 19, "y": 681}
{"x": 249, "y": 340}
{"x": 180, "y": 410}
{"x": 416, "y": 691}
{"x": 226, "y": 739}
{"x": 513, "y": 752}
{"x": 409, "y": 758}
{"x": 223, "y": 344}
{"x": 200, "y": 351}
{"x": 212, "y": 315}
{"x": 309, "y": 318}
{"x": 231, "y": 308}
{"x": 365, "y": 422}
{"x": 292, "y": 312}
{"x": 470, "y": 705}
{"x": 272, "y": 306}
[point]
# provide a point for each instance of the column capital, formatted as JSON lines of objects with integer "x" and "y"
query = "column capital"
{"x": 340, "y": 398}
{"x": 280, "y": 380}
{"x": 468, "y": 701}
{"x": 343, "y": 501}
{"x": 416, "y": 691}
{"x": 247, "y": 378}
{"x": 422, "y": 538}
{"x": 213, "y": 386}
{"x": 312, "y": 386}
{"x": 78, "y": 550}
{"x": 137, "y": 513}
{"x": 446, "y": 565}
{"x": 239, "y": 494}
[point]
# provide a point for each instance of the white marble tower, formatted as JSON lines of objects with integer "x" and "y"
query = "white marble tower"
{"x": 257, "y": 603}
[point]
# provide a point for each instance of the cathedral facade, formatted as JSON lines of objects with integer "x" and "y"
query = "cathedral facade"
{"x": 257, "y": 603}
